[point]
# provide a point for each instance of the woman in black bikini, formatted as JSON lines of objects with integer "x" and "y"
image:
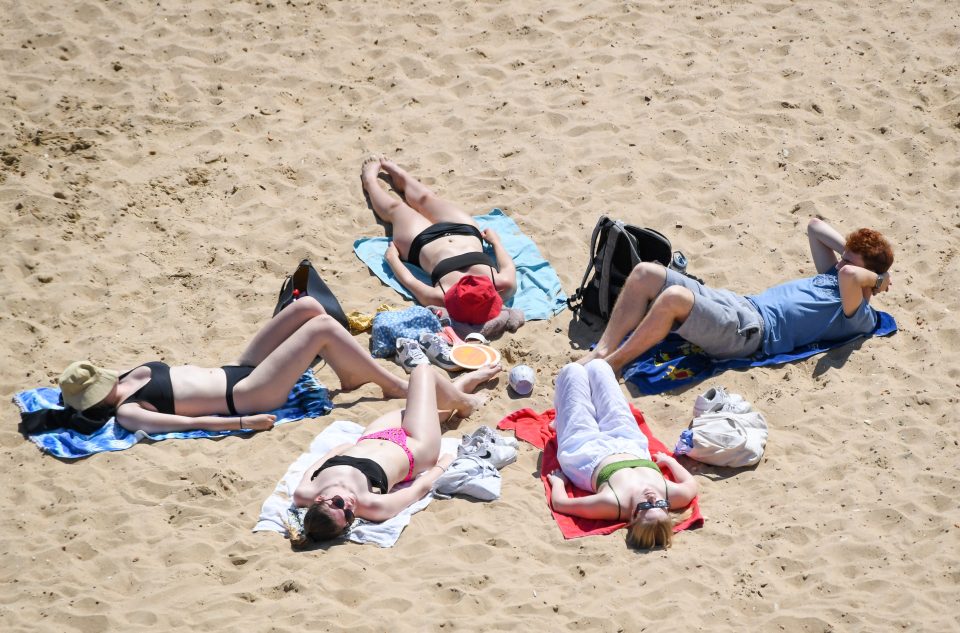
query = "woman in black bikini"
{"x": 445, "y": 242}
{"x": 355, "y": 480}
{"x": 157, "y": 398}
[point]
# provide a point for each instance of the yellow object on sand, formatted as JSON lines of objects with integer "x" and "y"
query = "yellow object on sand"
{"x": 361, "y": 322}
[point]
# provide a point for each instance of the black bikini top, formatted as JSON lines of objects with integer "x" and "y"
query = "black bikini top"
{"x": 376, "y": 477}
{"x": 158, "y": 391}
{"x": 458, "y": 262}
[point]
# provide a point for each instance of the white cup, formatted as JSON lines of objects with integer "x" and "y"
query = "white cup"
{"x": 522, "y": 379}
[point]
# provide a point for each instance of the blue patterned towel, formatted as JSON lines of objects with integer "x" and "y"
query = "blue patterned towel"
{"x": 308, "y": 399}
{"x": 539, "y": 294}
{"x": 677, "y": 363}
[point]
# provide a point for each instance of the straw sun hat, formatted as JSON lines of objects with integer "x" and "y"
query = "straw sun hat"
{"x": 83, "y": 384}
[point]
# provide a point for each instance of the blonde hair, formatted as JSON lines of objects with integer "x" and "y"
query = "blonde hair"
{"x": 658, "y": 533}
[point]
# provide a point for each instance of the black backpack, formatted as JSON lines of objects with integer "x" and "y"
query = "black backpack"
{"x": 306, "y": 282}
{"x": 615, "y": 249}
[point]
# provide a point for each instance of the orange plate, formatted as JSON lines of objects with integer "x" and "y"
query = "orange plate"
{"x": 474, "y": 356}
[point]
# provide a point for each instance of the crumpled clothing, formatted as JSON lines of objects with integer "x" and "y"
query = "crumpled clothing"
{"x": 509, "y": 320}
{"x": 360, "y": 322}
{"x": 389, "y": 326}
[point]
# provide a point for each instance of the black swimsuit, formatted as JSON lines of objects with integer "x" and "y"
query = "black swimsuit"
{"x": 376, "y": 477}
{"x": 450, "y": 264}
{"x": 158, "y": 391}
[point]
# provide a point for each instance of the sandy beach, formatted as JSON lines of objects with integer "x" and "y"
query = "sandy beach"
{"x": 164, "y": 164}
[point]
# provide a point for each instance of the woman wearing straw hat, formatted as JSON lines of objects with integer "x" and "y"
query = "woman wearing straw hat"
{"x": 157, "y": 398}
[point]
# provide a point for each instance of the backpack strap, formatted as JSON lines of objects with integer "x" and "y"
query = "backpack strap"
{"x": 616, "y": 233}
{"x": 578, "y": 294}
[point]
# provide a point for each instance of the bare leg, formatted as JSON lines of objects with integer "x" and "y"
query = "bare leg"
{"x": 268, "y": 385}
{"x": 407, "y": 223}
{"x": 642, "y": 286}
{"x": 421, "y": 198}
{"x": 672, "y": 306}
{"x": 420, "y": 419}
{"x": 278, "y": 329}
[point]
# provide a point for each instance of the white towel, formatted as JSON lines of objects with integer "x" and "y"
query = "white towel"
{"x": 275, "y": 509}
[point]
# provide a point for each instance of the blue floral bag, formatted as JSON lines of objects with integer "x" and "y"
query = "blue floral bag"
{"x": 409, "y": 323}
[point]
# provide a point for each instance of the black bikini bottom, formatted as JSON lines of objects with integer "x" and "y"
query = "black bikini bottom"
{"x": 435, "y": 232}
{"x": 235, "y": 373}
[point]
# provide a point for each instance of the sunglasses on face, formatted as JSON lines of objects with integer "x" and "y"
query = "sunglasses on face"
{"x": 338, "y": 503}
{"x": 649, "y": 505}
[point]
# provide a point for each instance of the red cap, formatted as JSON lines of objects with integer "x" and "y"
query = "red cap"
{"x": 473, "y": 299}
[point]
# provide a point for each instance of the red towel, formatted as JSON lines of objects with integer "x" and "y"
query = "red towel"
{"x": 534, "y": 428}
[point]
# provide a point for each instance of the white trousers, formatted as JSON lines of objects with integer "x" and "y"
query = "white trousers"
{"x": 593, "y": 421}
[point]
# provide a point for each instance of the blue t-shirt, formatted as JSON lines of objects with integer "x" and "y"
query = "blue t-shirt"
{"x": 809, "y": 310}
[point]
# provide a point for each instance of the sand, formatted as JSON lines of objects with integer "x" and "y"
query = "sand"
{"x": 164, "y": 164}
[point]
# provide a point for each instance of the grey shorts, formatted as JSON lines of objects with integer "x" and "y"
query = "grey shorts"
{"x": 722, "y": 323}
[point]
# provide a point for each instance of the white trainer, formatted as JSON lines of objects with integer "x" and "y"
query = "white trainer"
{"x": 438, "y": 351}
{"x": 485, "y": 433}
{"x": 410, "y": 354}
{"x": 716, "y": 399}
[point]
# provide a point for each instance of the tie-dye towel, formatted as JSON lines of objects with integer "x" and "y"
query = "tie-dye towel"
{"x": 676, "y": 363}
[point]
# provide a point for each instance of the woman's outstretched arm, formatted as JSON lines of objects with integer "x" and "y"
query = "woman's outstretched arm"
{"x": 133, "y": 417}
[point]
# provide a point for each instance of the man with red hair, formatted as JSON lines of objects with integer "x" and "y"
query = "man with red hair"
{"x": 833, "y": 305}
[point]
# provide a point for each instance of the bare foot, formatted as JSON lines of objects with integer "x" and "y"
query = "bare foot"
{"x": 397, "y": 175}
{"x": 369, "y": 170}
{"x": 395, "y": 391}
{"x": 395, "y": 388}
{"x": 468, "y": 382}
{"x": 592, "y": 354}
{"x": 471, "y": 402}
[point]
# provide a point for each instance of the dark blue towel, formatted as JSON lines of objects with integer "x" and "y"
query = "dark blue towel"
{"x": 677, "y": 363}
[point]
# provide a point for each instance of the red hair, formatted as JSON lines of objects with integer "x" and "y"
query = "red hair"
{"x": 874, "y": 248}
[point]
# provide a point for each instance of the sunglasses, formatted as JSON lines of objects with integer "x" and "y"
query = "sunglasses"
{"x": 337, "y": 502}
{"x": 649, "y": 505}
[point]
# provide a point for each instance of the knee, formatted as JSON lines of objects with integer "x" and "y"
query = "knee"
{"x": 645, "y": 269}
{"x": 598, "y": 367}
{"x": 323, "y": 324}
{"x": 571, "y": 371}
{"x": 421, "y": 197}
{"x": 649, "y": 275}
{"x": 676, "y": 300}
{"x": 308, "y": 307}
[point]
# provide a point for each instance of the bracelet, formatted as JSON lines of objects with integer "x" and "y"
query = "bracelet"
{"x": 442, "y": 469}
{"x": 241, "y": 422}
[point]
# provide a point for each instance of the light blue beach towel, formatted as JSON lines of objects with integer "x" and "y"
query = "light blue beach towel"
{"x": 307, "y": 399}
{"x": 539, "y": 294}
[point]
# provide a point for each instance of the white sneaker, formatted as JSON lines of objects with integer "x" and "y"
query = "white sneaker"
{"x": 716, "y": 399}
{"x": 410, "y": 354}
{"x": 438, "y": 351}
{"x": 499, "y": 455}
{"x": 485, "y": 432}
